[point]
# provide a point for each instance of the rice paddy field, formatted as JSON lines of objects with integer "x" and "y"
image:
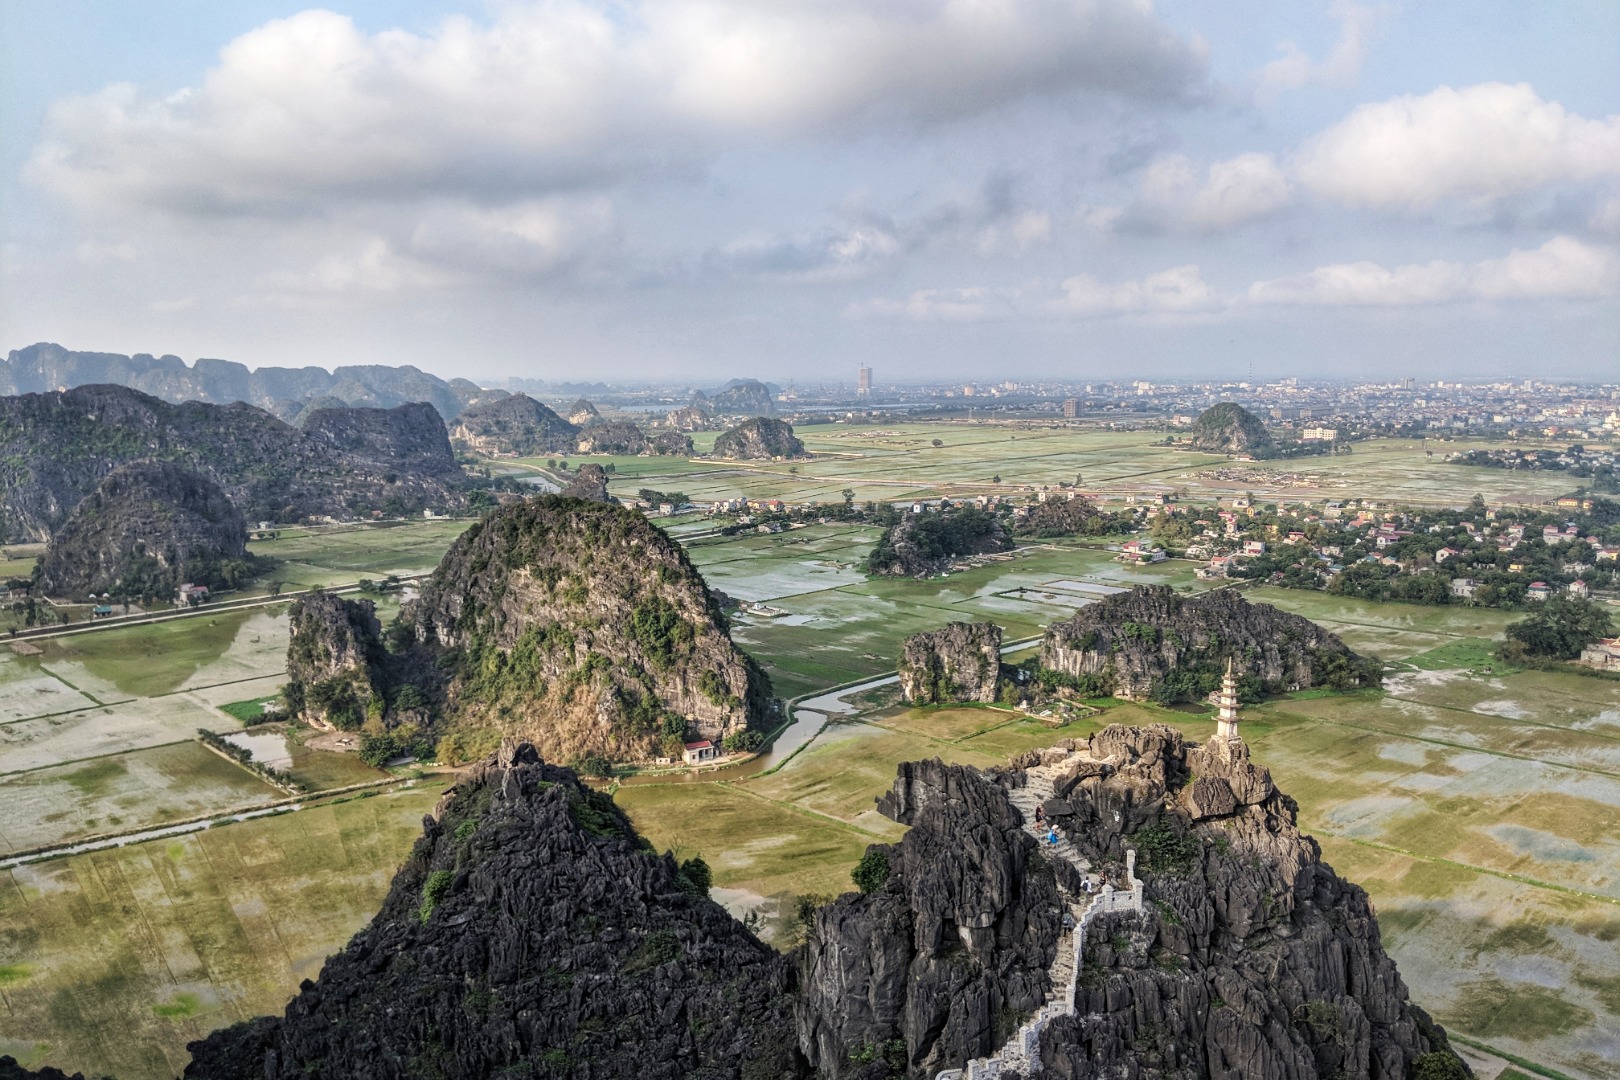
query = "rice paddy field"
{"x": 1478, "y": 805}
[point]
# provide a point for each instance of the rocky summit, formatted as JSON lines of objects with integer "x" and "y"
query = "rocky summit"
{"x": 589, "y": 482}
{"x": 1173, "y": 922}
{"x": 531, "y": 934}
{"x": 408, "y": 437}
{"x": 929, "y": 541}
{"x": 958, "y": 662}
{"x": 514, "y": 425}
{"x": 1152, "y": 641}
{"x": 149, "y": 527}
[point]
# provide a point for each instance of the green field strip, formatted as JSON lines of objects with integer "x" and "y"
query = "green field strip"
{"x": 802, "y": 811}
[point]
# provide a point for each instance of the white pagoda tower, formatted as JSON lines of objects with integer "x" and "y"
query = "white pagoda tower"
{"x": 1226, "y": 707}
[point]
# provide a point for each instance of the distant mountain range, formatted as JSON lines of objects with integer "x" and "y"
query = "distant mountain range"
{"x": 281, "y": 391}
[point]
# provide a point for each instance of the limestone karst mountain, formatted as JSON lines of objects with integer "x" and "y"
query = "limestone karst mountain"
{"x": 1220, "y": 947}
{"x": 958, "y": 662}
{"x": 149, "y": 527}
{"x": 1228, "y": 428}
{"x": 1152, "y": 641}
{"x": 759, "y": 439}
{"x": 514, "y": 425}
{"x": 589, "y": 482}
{"x": 928, "y": 541}
{"x": 62, "y": 444}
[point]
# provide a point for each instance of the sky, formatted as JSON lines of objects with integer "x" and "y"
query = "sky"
{"x": 786, "y": 189}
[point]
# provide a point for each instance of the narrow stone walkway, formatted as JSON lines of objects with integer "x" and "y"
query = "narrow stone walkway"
{"x": 1022, "y": 1051}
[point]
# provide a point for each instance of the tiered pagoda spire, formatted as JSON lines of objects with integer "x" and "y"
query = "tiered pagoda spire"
{"x": 1226, "y": 707}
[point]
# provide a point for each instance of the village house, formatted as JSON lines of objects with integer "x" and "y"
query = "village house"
{"x": 1464, "y": 588}
{"x": 698, "y": 752}
{"x": 1604, "y": 655}
{"x": 189, "y": 595}
{"x": 1141, "y": 551}
{"x": 1579, "y": 589}
{"x": 1537, "y": 591}
{"x": 1446, "y": 553}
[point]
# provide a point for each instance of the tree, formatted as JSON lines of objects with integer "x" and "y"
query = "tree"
{"x": 939, "y": 442}
{"x": 871, "y": 872}
{"x": 849, "y": 497}
{"x": 1560, "y": 628}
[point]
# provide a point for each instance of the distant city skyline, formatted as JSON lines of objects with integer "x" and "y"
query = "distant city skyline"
{"x": 704, "y": 189}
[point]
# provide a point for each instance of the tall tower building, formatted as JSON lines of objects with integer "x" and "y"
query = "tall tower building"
{"x": 1226, "y": 707}
{"x": 863, "y": 382}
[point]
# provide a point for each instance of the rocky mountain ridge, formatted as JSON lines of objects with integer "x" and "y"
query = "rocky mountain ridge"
{"x": 919, "y": 544}
{"x": 958, "y": 662}
{"x": 58, "y": 446}
{"x": 514, "y": 425}
{"x": 1228, "y": 428}
{"x": 49, "y": 367}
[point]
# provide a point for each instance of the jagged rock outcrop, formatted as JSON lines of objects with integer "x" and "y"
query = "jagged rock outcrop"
{"x": 1077, "y": 516}
{"x": 582, "y": 627}
{"x": 148, "y": 528}
{"x": 407, "y": 437}
{"x": 589, "y": 482}
{"x": 1153, "y": 641}
{"x": 759, "y": 439}
{"x": 958, "y": 662}
{"x": 514, "y": 425}
{"x": 59, "y": 446}
{"x": 927, "y": 542}
{"x": 532, "y": 933}
{"x": 45, "y": 366}
{"x": 1228, "y": 428}
{"x": 935, "y": 965}
{"x": 10, "y": 1069}
{"x": 1249, "y": 959}
{"x": 582, "y": 412}
{"x": 335, "y": 657}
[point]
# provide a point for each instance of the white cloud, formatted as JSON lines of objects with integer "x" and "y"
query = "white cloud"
{"x": 560, "y": 93}
{"x": 1482, "y": 142}
{"x": 1180, "y": 290}
{"x": 95, "y": 253}
{"x": 1562, "y": 268}
{"x": 828, "y": 256}
{"x": 374, "y": 269}
{"x": 1339, "y": 67}
{"x": 1174, "y": 194}
{"x": 529, "y": 237}
{"x": 172, "y": 307}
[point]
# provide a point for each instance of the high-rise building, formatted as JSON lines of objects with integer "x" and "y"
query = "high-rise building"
{"x": 1071, "y": 409}
{"x": 863, "y": 382}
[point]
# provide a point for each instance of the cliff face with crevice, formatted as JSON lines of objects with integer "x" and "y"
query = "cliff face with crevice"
{"x": 1249, "y": 960}
{"x": 531, "y": 934}
{"x": 335, "y": 661}
{"x": 958, "y": 662}
{"x": 148, "y": 528}
{"x": 1151, "y": 633}
{"x": 582, "y": 627}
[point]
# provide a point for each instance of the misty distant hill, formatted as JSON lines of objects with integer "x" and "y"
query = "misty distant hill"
{"x": 45, "y": 367}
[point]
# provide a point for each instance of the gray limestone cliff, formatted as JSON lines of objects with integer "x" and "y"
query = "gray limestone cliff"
{"x": 514, "y": 425}
{"x": 1228, "y": 428}
{"x": 589, "y": 482}
{"x": 958, "y": 662}
{"x": 149, "y": 527}
{"x": 335, "y": 660}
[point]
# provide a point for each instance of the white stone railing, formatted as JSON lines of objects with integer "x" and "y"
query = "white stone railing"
{"x": 1024, "y": 1048}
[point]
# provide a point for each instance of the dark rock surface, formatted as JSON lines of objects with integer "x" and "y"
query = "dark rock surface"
{"x": 938, "y": 962}
{"x": 1228, "y": 428}
{"x": 589, "y": 482}
{"x": 334, "y": 659}
{"x": 958, "y": 662}
{"x": 531, "y": 934}
{"x": 674, "y": 443}
{"x": 1058, "y": 516}
{"x": 759, "y": 439}
{"x": 739, "y": 397}
{"x": 1251, "y": 960}
{"x": 149, "y": 527}
{"x": 514, "y": 425}
{"x": 925, "y": 543}
{"x": 584, "y": 628}
{"x": 61, "y": 445}
{"x": 1151, "y": 632}
{"x": 407, "y": 437}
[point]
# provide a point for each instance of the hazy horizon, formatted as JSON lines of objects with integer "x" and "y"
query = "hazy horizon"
{"x": 704, "y": 189}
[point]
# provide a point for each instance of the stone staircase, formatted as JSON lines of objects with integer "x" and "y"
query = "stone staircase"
{"x": 1022, "y": 1051}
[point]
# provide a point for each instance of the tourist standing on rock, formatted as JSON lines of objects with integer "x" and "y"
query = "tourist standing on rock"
{"x": 1051, "y": 836}
{"x": 1040, "y": 813}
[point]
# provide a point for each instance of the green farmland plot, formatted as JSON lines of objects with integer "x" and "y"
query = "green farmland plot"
{"x": 304, "y": 558}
